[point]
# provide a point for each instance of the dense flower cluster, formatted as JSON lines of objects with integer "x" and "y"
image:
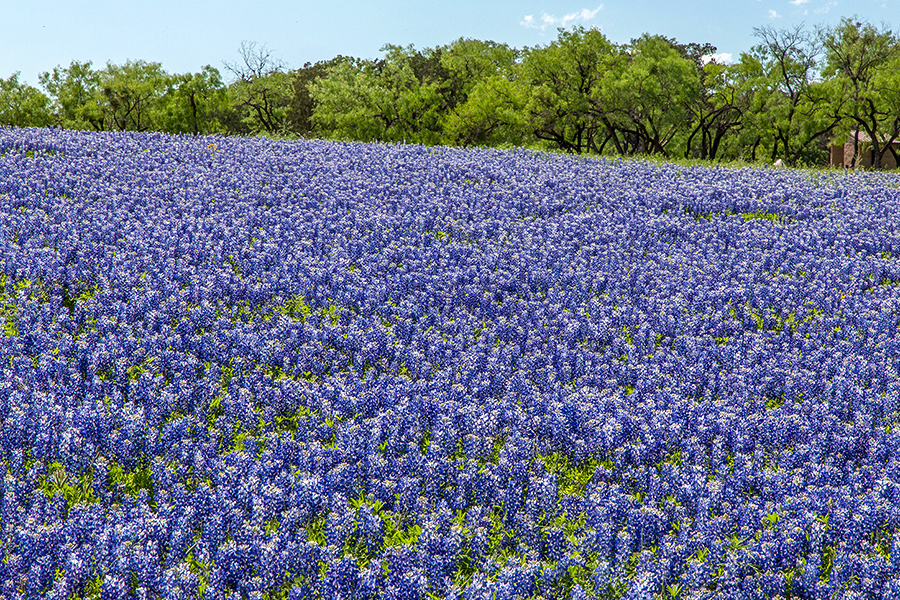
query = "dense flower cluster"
{"x": 240, "y": 368}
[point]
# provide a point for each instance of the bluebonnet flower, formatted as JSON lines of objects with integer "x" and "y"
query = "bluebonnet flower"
{"x": 222, "y": 351}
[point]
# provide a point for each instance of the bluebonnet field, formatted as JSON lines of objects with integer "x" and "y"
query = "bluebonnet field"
{"x": 241, "y": 368}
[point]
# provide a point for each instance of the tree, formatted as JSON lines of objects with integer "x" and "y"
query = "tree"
{"x": 194, "y": 103}
{"x": 467, "y": 63}
{"x": 886, "y": 84}
{"x": 349, "y": 103}
{"x": 652, "y": 94}
{"x": 132, "y": 95}
{"x": 396, "y": 99}
{"x": 791, "y": 107}
{"x": 261, "y": 92}
{"x": 303, "y": 105}
{"x": 859, "y": 58}
{"x": 717, "y": 110}
{"x": 22, "y": 105}
{"x": 564, "y": 107}
{"x": 492, "y": 115}
{"x": 483, "y": 96}
{"x": 124, "y": 97}
{"x": 74, "y": 94}
{"x": 738, "y": 86}
{"x": 417, "y": 80}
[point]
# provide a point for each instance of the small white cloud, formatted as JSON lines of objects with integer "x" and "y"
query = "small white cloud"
{"x": 585, "y": 14}
{"x": 798, "y": 2}
{"x": 773, "y": 14}
{"x": 723, "y": 58}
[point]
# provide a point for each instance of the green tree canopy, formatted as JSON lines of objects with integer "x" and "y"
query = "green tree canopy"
{"x": 651, "y": 96}
{"x": 23, "y": 105}
{"x": 787, "y": 97}
{"x": 396, "y": 99}
{"x": 860, "y": 60}
{"x": 74, "y": 93}
{"x": 261, "y": 92}
{"x": 131, "y": 95}
{"x": 565, "y": 105}
{"x": 194, "y": 103}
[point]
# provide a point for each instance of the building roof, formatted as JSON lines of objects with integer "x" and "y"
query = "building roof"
{"x": 864, "y": 137}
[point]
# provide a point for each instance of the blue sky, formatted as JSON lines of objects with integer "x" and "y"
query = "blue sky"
{"x": 184, "y": 35}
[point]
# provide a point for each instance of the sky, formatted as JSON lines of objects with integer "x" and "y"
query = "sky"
{"x": 185, "y": 35}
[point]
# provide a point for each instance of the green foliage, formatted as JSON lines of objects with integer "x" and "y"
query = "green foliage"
{"x": 774, "y": 401}
{"x": 315, "y": 529}
{"x": 79, "y": 490}
{"x": 234, "y": 264}
{"x": 492, "y": 115}
{"x": 397, "y": 530}
{"x": 674, "y": 458}
{"x": 131, "y": 483}
{"x": 195, "y": 103}
{"x": 468, "y": 62}
{"x": 882, "y": 540}
{"x": 135, "y": 96}
{"x": 483, "y": 95}
{"x": 566, "y": 79}
{"x": 92, "y": 590}
{"x": 23, "y": 105}
{"x": 788, "y": 97}
{"x": 332, "y": 313}
{"x": 789, "y": 109}
{"x": 397, "y": 99}
{"x": 717, "y": 110}
{"x": 81, "y": 292}
{"x": 74, "y": 91}
{"x": 778, "y": 321}
{"x": 829, "y": 553}
{"x": 131, "y": 95}
{"x": 351, "y": 86}
{"x": 763, "y": 215}
{"x": 261, "y": 93}
{"x": 571, "y": 479}
{"x": 652, "y": 94}
{"x": 296, "y": 307}
{"x": 770, "y": 521}
{"x": 9, "y": 312}
{"x": 861, "y": 63}
{"x": 302, "y": 104}
{"x": 10, "y": 292}
{"x": 134, "y": 372}
{"x": 76, "y": 491}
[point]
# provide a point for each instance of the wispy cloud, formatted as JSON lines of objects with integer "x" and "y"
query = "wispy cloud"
{"x": 798, "y": 2}
{"x": 825, "y": 9}
{"x": 723, "y": 58}
{"x": 545, "y": 20}
{"x": 773, "y": 14}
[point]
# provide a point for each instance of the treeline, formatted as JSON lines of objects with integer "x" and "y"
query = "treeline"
{"x": 792, "y": 95}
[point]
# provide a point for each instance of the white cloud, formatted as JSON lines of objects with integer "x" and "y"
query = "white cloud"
{"x": 773, "y": 14}
{"x": 723, "y": 58}
{"x": 798, "y": 2}
{"x": 825, "y": 9}
{"x": 545, "y": 21}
